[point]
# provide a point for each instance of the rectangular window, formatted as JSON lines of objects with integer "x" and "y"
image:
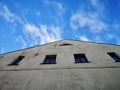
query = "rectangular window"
{"x": 50, "y": 59}
{"x": 80, "y": 58}
{"x": 114, "y": 56}
{"x": 17, "y": 61}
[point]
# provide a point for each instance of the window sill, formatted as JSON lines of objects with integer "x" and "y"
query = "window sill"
{"x": 47, "y": 63}
{"x": 81, "y": 62}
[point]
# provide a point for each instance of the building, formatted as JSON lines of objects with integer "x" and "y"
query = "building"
{"x": 62, "y": 65}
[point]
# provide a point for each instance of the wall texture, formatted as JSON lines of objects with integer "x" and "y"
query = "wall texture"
{"x": 101, "y": 73}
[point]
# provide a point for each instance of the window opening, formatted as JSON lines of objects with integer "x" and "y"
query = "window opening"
{"x": 50, "y": 59}
{"x": 17, "y": 61}
{"x": 114, "y": 56}
{"x": 80, "y": 58}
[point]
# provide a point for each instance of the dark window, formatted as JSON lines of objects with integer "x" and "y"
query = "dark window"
{"x": 66, "y": 44}
{"x": 114, "y": 56}
{"x": 17, "y": 61}
{"x": 80, "y": 58}
{"x": 1, "y": 56}
{"x": 36, "y": 54}
{"x": 50, "y": 59}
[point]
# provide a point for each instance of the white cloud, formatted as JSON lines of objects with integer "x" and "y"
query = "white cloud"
{"x": 90, "y": 19}
{"x": 83, "y": 38}
{"x": 22, "y": 41}
{"x": 33, "y": 30}
{"x": 8, "y": 15}
{"x": 36, "y": 34}
{"x": 110, "y": 36}
{"x": 13, "y": 21}
{"x": 116, "y": 25}
{"x": 2, "y": 50}
{"x": 97, "y": 5}
{"x": 58, "y": 7}
{"x": 118, "y": 41}
{"x": 43, "y": 32}
{"x": 113, "y": 37}
{"x": 46, "y": 2}
{"x": 37, "y": 13}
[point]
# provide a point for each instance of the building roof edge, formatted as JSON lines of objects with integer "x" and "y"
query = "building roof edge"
{"x": 59, "y": 41}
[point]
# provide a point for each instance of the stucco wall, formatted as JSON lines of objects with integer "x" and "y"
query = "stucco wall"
{"x": 102, "y": 73}
{"x": 61, "y": 79}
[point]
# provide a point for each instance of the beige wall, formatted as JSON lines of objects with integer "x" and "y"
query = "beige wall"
{"x": 102, "y": 73}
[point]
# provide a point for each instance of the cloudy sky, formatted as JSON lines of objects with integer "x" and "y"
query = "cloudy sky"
{"x": 27, "y": 23}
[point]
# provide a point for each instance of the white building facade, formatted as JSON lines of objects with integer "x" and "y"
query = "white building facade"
{"x": 62, "y": 65}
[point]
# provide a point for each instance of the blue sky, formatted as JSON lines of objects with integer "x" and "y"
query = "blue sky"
{"x": 27, "y": 23}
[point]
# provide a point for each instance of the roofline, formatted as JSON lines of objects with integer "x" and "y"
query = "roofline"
{"x": 93, "y": 42}
{"x": 31, "y": 47}
{"x": 59, "y": 41}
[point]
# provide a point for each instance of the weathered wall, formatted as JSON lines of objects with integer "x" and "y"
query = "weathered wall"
{"x": 61, "y": 79}
{"x": 102, "y": 73}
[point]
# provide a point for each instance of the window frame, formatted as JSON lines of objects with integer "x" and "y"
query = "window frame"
{"x": 80, "y": 55}
{"x": 51, "y": 57}
{"x": 112, "y": 54}
{"x": 18, "y": 59}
